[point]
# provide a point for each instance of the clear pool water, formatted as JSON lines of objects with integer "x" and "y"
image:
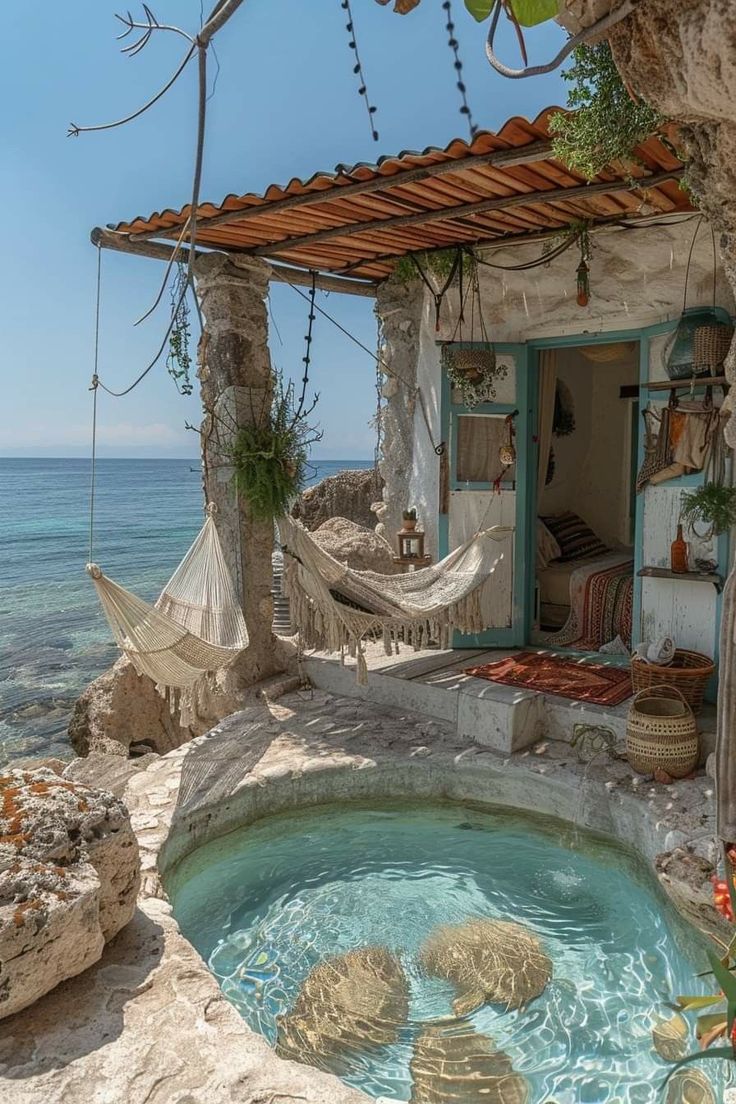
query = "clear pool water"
{"x": 266, "y": 904}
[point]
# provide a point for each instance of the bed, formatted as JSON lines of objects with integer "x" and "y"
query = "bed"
{"x": 586, "y": 600}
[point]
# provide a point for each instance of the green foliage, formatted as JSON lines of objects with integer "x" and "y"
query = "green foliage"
{"x": 608, "y": 124}
{"x": 179, "y": 360}
{"x": 713, "y": 503}
{"x": 527, "y": 12}
{"x": 410, "y": 515}
{"x": 270, "y": 457}
{"x": 438, "y": 263}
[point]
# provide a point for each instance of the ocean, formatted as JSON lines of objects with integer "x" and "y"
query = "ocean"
{"x": 53, "y": 637}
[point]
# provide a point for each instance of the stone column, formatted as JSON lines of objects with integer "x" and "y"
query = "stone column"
{"x": 237, "y": 389}
{"x": 399, "y": 307}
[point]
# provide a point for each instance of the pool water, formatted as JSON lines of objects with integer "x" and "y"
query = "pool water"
{"x": 267, "y": 904}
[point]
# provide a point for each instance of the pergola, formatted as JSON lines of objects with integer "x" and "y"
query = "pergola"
{"x": 350, "y": 226}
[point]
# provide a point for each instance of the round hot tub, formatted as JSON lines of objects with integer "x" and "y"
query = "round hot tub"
{"x": 447, "y": 953}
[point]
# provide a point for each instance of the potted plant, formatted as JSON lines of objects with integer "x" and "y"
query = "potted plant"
{"x": 714, "y": 505}
{"x": 410, "y": 520}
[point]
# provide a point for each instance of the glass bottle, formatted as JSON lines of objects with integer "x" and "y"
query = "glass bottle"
{"x": 678, "y": 553}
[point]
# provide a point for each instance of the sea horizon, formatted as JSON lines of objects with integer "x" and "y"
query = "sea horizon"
{"x": 54, "y": 640}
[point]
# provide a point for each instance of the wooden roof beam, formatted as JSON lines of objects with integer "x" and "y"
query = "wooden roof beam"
{"x": 504, "y": 159}
{"x": 161, "y": 251}
{"x": 442, "y": 214}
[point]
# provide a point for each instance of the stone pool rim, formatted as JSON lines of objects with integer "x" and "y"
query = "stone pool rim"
{"x": 197, "y": 793}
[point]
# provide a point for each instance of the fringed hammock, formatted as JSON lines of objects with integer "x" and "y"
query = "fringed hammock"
{"x": 196, "y": 626}
{"x": 336, "y": 607}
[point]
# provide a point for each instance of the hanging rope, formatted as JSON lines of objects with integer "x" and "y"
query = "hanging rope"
{"x": 438, "y": 296}
{"x": 93, "y": 388}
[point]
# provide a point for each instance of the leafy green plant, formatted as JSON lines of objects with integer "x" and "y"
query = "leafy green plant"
{"x": 438, "y": 263}
{"x": 713, "y": 503}
{"x": 608, "y": 124}
{"x": 179, "y": 360}
{"x": 270, "y": 457}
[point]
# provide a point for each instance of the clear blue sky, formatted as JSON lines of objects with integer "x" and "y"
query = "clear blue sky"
{"x": 285, "y": 105}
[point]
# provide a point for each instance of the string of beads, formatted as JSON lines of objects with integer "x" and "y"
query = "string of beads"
{"x": 358, "y": 68}
{"x": 454, "y": 45}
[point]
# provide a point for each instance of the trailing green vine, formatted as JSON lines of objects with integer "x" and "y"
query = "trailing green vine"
{"x": 436, "y": 262}
{"x": 270, "y": 457}
{"x": 179, "y": 359}
{"x": 608, "y": 124}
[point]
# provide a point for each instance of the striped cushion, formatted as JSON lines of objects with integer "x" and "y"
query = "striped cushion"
{"x": 576, "y": 539}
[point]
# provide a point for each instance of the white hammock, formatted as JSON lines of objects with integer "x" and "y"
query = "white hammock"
{"x": 336, "y": 607}
{"x": 196, "y": 626}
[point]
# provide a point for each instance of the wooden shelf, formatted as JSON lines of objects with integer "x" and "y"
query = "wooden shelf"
{"x": 686, "y": 384}
{"x": 683, "y": 576}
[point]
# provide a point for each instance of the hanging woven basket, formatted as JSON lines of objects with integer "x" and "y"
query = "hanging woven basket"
{"x": 711, "y": 345}
{"x": 474, "y": 364}
{"x": 661, "y": 733}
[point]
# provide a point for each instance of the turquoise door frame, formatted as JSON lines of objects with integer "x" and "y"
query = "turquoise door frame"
{"x": 524, "y": 409}
{"x": 526, "y": 357}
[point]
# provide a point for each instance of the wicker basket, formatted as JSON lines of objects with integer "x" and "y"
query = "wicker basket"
{"x": 710, "y": 345}
{"x": 689, "y": 672}
{"x": 661, "y": 733}
{"x": 474, "y": 363}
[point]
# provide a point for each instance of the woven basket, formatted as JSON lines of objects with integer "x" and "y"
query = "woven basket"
{"x": 661, "y": 733}
{"x": 689, "y": 673}
{"x": 710, "y": 346}
{"x": 474, "y": 363}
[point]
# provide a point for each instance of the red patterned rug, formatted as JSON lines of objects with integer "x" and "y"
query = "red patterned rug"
{"x": 568, "y": 678}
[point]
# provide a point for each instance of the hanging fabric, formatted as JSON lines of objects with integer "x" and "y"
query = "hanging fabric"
{"x": 195, "y": 627}
{"x": 547, "y": 392}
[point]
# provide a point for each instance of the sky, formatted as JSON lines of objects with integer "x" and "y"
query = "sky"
{"x": 284, "y": 104}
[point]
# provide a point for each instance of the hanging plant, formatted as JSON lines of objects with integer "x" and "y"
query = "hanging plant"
{"x": 713, "y": 504}
{"x": 474, "y": 371}
{"x": 270, "y": 457}
{"x": 608, "y": 123}
{"x": 179, "y": 360}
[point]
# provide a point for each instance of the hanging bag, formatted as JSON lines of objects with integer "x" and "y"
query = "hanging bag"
{"x": 699, "y": 344}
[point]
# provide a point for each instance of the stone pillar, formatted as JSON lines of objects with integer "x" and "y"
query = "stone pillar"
{"x": 399, "y": 307}
{"x": 237, "y": 389}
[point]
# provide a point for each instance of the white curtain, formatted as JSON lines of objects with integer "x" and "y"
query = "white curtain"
{"x": 547, "y": 389}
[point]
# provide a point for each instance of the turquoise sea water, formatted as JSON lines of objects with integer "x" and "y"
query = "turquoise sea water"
{"x": 265, "y": 904}
{"x": 53, "y": 638}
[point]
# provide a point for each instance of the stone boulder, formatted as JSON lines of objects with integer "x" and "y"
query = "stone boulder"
{"x": 487, "y": 961}
{"x": 348, "y": 494}
{"x": 122, "y": 709}
{"x": 358, "y": 547}
{"x": 348, "y": 1005}
{"x": 69, "y": 877}
{"x": 453, "y": 1063}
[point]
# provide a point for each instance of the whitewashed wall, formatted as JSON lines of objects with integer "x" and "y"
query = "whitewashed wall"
{"x": 637, "y": 280}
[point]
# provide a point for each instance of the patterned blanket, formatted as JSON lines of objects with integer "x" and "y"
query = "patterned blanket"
{"x": 600, "y": 604}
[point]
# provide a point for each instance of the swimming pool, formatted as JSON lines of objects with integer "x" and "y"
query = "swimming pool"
{"x": 356, "y": 938}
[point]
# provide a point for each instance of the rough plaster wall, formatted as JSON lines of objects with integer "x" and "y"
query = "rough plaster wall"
{"x": 425, "y": 474}
{"x": 592, "y": 469}
{"x": 400, "y": 308}
{"x": 637, "y": 279}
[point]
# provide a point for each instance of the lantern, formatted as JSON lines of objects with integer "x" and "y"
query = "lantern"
{"x": 411, "y": 544}
{"x": 583, "y": 283}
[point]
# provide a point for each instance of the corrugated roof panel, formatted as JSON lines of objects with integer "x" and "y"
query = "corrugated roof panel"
{"x": 354, "y": 208}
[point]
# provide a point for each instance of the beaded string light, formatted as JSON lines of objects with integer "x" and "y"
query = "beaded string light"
{"x": 358, "y": 68}
{"x": 453, "y": 43}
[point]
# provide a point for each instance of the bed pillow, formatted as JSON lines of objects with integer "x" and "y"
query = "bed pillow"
{"x": 547, "y": 547}
{"x": 576, "y": 539}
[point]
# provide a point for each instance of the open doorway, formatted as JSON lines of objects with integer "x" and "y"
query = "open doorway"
{"x": 585, "y": 508}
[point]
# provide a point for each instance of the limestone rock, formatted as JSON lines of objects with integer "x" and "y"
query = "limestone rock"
{"x": 689, "y": 1086}
{"x": 347, "y": 1005}
{"x": 358, "y": 547}
{"x": 120, "y": 709}
{"x": 347, "y": 494}
{"x": 492, "y": 961}
{"x": 69, "y": 876}
{"x": 670, "y": 1038}
{"x": 453, "y": 1064}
